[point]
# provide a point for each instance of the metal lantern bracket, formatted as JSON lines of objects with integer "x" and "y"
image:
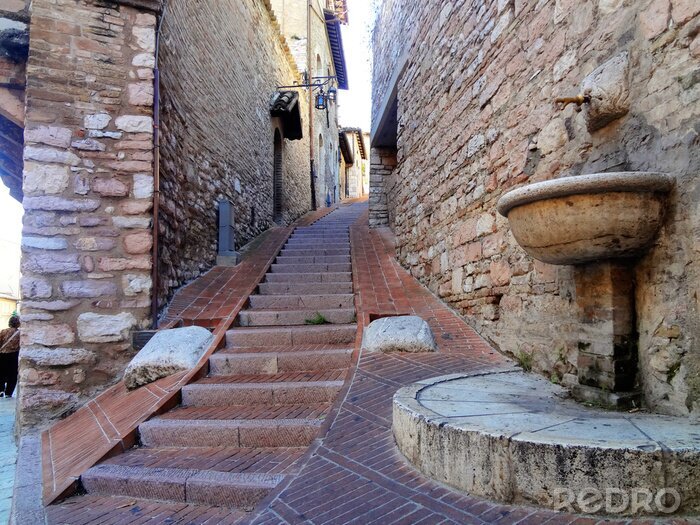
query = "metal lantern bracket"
{"x": 317, "y": 84}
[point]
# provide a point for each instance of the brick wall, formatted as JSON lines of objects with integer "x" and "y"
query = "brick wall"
{"x": 220, "y": 63}
{"x": 87, "y": 196}
{"x": 476, "y": 118}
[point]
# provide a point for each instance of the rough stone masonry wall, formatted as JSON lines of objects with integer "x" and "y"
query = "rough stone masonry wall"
{"x": 220, "y": 63}
{"x": 88, "y": 188}
{"x": 382, "y": 163}
{"x": 476, "y": 118}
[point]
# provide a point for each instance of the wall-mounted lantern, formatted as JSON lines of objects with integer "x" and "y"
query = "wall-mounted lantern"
{"x": 321, "y": 98}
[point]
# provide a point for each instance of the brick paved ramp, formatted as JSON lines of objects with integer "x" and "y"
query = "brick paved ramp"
{"x": 354, "y": 474}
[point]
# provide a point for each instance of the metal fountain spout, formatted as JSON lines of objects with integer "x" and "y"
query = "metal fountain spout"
{"x": 579, "y": 100}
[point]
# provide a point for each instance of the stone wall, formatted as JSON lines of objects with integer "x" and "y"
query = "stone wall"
{"x": 291, "y": 16}
{"x": 88, "y": 189}
{"x": 476, "y": 118}
{"x": 357, "y": 171}
{"x": 217, "y": 133}
{"x": 382, "y": 163}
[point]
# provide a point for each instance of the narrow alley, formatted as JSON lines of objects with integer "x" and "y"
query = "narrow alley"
{"x": 337, "y": 262}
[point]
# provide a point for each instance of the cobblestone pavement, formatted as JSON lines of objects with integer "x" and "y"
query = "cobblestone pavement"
{"x": 8, "y": 456}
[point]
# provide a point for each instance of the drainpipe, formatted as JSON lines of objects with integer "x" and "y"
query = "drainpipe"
{"x": 156, "y": 174}
{"x": 309, "y": 60}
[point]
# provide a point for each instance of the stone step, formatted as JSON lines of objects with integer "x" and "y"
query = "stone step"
{"x": 331, "y": 230}
{"x": 320, "y": 242}
{"x": 301, "y": 302}
{"x": 304, "y": 288}
{"x": 277, "y": 393}
{"x": 239, "y": 412}
{"x": 344, "y": 236}
{"x": 163, "y": 432}
{"x": 317, "y": 259}
{"x": 233, "y": 349}
{"x": 267, "y": 460}
{"x": 224, "y": 363}
{"x": 307, "y": 245}
{"x": 294, "y": 252}
{"x": 331, "y": 277}
{"x": 294, "y": 317}
{"x": 231, "y": 489}
{"x": 290, "y": 336}
{"x": 310, "y": 268}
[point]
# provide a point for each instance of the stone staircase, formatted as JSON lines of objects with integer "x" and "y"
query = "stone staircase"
{"x": 239, "y": 431}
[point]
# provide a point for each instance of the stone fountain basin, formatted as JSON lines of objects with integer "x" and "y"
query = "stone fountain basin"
{"x": 517, "y": 438}
{"x": 574, "y": 220}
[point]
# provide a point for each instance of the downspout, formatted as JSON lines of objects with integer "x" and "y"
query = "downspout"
{"x": 309, "y": 59}
{"x": 156, "y": 175}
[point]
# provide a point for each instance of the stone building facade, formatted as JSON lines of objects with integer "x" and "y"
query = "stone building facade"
{"x": 90, "y": 160}
{"x": 463, "y": 110}
{"x": 354, "y": 165}
{"x": 88, "y": 188}
{"x": 218, "y": 139}
{"x": 292, "y": 15}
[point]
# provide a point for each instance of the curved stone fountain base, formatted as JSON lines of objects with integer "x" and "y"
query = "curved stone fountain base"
{"x": 517, "y": 438}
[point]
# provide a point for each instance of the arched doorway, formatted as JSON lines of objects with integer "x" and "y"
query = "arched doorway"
{"x": 278, "y": 171}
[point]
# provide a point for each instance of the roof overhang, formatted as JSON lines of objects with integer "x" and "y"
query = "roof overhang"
{"x": 285, "y": 105}
{"x": 345, "y": 149}
{"x": 361, "y": 142}
{"x": 336, "y": 41}
{"x": 147, "y": 5}
{"x": 385, "y": 122}
{"x": 359, "y": 136}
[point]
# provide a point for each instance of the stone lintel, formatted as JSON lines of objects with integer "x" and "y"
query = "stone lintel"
{"x": 155, "y": 6}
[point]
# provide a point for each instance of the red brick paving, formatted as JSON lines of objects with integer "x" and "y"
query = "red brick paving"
{"x": 100, "y": 510}
{"x": 355, "y": 474}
